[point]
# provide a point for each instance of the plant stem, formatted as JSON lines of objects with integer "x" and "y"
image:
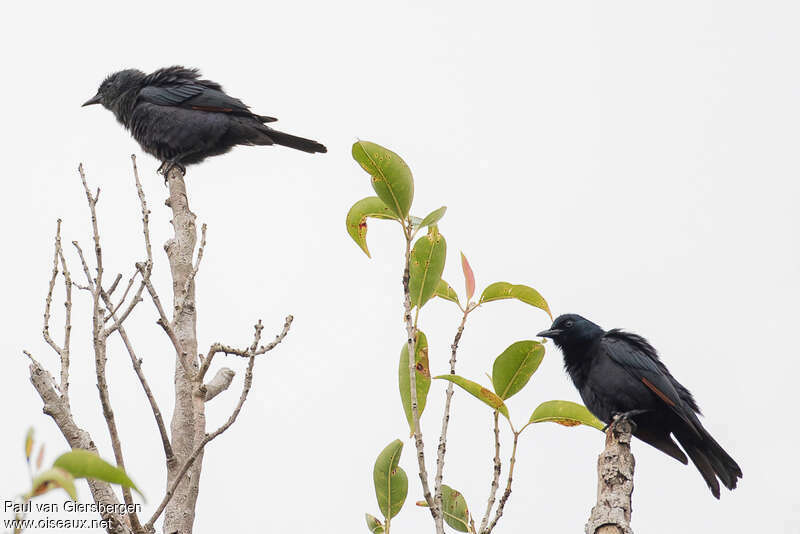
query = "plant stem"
{"x": 411, "y": 331}
{"x": 495, "y": 477}
{"x": 446, "y": 417}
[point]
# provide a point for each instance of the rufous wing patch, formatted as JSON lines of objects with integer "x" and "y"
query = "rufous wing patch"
{"x": 658, "y": 392}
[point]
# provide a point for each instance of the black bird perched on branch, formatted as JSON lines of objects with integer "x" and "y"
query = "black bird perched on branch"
{"x": 182, "y": 119}
{"x": 619, "y": 373}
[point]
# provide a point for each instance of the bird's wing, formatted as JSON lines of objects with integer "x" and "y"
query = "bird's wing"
{"x": 634, "y": 354}
{"x": 193, "y": 95}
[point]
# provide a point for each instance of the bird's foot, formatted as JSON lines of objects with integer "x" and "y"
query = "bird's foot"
{"x": 626, "y": 416}
{"x": 167, "y": 166}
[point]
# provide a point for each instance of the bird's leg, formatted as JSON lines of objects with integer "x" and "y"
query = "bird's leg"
{"x": 626, "y": 416}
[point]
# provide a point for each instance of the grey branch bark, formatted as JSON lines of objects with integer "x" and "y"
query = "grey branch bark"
{"x": 221, "y": 381}
{"x": 188, "y": 419}
{"x": 615, "y": 465}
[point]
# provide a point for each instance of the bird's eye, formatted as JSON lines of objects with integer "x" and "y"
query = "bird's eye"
{"x": 568, "y": 324}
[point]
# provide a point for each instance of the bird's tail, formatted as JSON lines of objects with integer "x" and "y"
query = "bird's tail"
{"x": 711, "y": 460}
{"x": 292, "y": 141}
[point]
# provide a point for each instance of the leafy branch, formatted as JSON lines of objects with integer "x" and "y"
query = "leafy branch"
{"x": 424, "y": 261}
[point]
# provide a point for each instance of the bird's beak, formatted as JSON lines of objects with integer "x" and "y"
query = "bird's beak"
{"x": 552, "y": 333}
{"x": 94, "y": 100}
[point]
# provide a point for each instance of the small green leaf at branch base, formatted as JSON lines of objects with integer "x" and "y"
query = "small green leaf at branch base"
{"x": 504, "y": 290}
{"x": 373, "y": 524}
{"x": 391, "y": 482}
{"x": 391, "y": 177}
{"x": 423, "y": 377}
{"x": 52, "y": 478}
{"x": 477, "y": 391}
{"x": 432, "y": 218}
{"x": 426, "y": 266}
{"x": 454, "y": 508}
{"x": 565, "y": 413}
{"x": 515, "y": 366}
{"x": 443, "y": 290}
{"x": 81, "y": 463}
{"x": 357, "y": 219}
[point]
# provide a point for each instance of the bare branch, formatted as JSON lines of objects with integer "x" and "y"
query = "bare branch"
{"x": 137, "y": 367}
{"x": 77, "y": 438}
{"x": 495, "y": 477}
{"x": 145, "y": 211}
{"x": 196, "y": 267}
{"x": 246, "y": 353}
{"x": 507, "y": 493}
{"x": 98, "y": 252}
{"x": 64, "y": 354}
{"x": 100, "y": 337}
{"x": 124, "y": 294}
{"x": 114, "y": 284}
{"x": 437, "y": 492}
{"x": 615, "y": 466}
{"x": 162, "y": 321}
{"x": 49, "y": 299}
{"x": 62, "y": 351}
{"x": 221, "y": 381}
{"x": 89, "y": 280}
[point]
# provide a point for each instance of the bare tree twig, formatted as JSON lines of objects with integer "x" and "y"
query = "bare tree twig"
{"x": 252, "y": 351}
{"x": 115, "y": 283}
{"x": 145, "y": 211}
{"x": 89, "y": 280}
{"x": 507, "y": 493}
{"x": 498, "y": 466}
{"x": 196, "y": 267}
{"x": 124, "y": 294}
{"x": 100, "y": 337}
{"x": 441, "y": 451}
{"x": 137, "y": 367}
{"x": 51, "y": 286}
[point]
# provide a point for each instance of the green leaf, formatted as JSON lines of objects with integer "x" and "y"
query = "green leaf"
{"x": 443, "y": 290}
{"x": 426, "y": 266}
{"x": 86, "y": 464}
{"x": 423, "y": 377}
{"x": 432, "y": 218}
{"x": 565, "y": 413}
{"x": 391, "y": 482}
{"x": 515, "y": 366}
{"x": 357, "y": 219}
{"x": 477, "y": 391}
{"x": 373, "y": 524}
{"x": 391, "y": 177}
{"x": 504, "y": 290}
{"x": 55, "y": 477}
{"x": 454, "y": 508}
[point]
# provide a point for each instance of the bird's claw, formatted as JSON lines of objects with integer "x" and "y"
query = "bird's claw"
{"x": 167, "y": 166}
{"x": 626, "y": 416}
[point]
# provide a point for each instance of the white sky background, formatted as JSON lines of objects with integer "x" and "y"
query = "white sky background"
{"x": 635, "y": 162}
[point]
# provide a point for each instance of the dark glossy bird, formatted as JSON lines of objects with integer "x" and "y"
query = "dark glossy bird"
{"x": 182, "y": 119}
{"x": 620, "y": 373}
